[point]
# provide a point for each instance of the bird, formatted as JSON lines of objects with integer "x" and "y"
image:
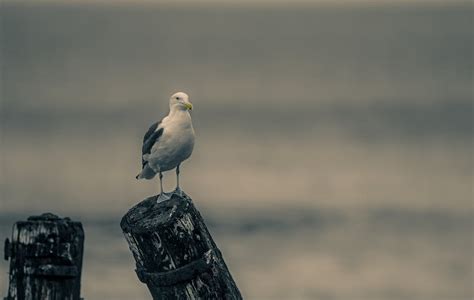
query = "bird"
{"x": 168, "y": 143}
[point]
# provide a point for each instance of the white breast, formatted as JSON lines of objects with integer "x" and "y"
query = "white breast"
{"x": 175, "y": 145}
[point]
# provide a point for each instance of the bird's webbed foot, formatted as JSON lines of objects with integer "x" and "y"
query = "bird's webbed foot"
{"x": 178, "y": 191}
{"x": 163, "y": 197}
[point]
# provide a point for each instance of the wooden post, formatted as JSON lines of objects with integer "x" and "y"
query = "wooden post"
{"x": 45, "y": 259}
{"x": 175, "y": 255}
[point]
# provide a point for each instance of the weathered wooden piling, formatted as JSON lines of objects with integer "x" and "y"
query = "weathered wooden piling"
{"x": 175, "y": 255}
{"x": 45, "y": 259}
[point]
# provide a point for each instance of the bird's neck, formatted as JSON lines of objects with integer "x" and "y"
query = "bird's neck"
{"x": 176, "y": 112}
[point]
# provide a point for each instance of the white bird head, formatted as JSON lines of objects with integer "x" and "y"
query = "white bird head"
{"x": 180, "y": 101}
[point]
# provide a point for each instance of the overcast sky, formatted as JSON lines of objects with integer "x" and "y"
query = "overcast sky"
{"x": 245, "y": 2}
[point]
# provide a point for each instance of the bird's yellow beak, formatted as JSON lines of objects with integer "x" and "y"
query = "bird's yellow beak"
{"x": 188, "y": 106}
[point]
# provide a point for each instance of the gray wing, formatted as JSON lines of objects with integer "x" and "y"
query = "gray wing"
{"x": 150, "y": 138}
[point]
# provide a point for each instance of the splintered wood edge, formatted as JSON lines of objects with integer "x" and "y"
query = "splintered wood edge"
{"x": 148, "y": 214}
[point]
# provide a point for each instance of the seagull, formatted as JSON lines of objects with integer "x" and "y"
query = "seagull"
{"x": 168, "y": 143}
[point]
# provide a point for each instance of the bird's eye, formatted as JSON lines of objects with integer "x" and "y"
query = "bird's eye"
{"x": 177, "y": 98}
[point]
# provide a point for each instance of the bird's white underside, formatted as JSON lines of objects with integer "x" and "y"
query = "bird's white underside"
{"x": 176, "y": 143}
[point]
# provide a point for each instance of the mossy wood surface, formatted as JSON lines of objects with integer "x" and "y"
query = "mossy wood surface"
{"x": 175, "y": 255}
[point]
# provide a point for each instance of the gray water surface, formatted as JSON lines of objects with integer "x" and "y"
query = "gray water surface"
{"x": 334, "y": 144}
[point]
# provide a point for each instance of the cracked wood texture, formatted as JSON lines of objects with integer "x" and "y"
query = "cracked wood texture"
{"x": 175, "y": 255}
{"x": 45, "y": 259}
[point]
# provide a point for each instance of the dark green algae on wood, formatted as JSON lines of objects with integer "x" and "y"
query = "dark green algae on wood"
{"x": 175, "y": 254}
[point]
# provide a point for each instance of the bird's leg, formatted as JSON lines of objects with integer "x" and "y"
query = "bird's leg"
{"x": 163, "y": 196}
{"x": 178, "y": 190}
{"x": 161, "y": 182}
{"x": 177, "y": 176}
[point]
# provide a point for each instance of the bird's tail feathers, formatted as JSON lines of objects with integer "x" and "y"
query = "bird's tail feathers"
{"x": 146, "y": 173}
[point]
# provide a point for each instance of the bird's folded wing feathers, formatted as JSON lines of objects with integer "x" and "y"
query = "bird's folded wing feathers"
{"x": 150, "y": 131}
{"x": 150, "y": 138}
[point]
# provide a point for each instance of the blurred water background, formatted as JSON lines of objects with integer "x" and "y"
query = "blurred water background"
{"x": 334, "y": 142}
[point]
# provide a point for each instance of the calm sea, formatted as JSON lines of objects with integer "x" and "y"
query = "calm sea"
{"x": 334, "y": 143}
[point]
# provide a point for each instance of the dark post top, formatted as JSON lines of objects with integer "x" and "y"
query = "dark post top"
{"x": 45, "y": 255}
{"x": 175, "y": 254}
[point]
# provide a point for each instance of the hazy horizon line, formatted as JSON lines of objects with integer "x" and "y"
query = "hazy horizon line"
{"x": 243, "y": 3}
